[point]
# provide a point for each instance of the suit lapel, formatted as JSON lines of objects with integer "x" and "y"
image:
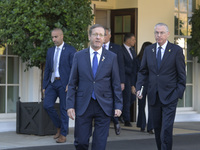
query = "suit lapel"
{"x": 52, "y": 57}
{"x": 101, "y": 61}
{"x": 87, "y": 56}
{"x": 153, "y": 51}
{"x": 63, "y": 51}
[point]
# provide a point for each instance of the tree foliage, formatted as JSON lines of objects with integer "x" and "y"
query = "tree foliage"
{"x": 27, "y": 24}
{"x": 194, "y": 42}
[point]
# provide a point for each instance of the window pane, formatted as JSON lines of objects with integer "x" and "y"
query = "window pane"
{"x": 2, "y": 49}
{"x": 189, "y": 71}
{"x": 189, "y": 57}
{"x": 13, "y": 94}
{"x": 118, "y": 24}
{"x": 188, "y": 96}
{"x": 127, "y": 23}
{"x": 2, "y": 69}
{"x": 189, "y": 25}
{"x": 183, "y": 23}
{"x": 2, "y": 99}
{"x": 13, "y": 70}
{"x": 183, "y": 5}
{"x": 176, "y": 5}
{"x": 118, "y": 39}
{"x": 176, "y": 23}
{"x": 180, "y": 103}
{"x": 191, "y": 5}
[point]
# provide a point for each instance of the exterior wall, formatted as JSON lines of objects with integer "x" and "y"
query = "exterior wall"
{"x": 149, "y": 16}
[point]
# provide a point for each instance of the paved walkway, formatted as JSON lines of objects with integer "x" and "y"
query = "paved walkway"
{"x": 10, "y": 139}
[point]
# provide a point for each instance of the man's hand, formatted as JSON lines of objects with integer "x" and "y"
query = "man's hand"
{"x": 118, "y": 113}
{"x": 71, "y": 113}
{"x": 122, "y": 86}
{"x": 133, "y": 90}
{"x": 138, "y": 93}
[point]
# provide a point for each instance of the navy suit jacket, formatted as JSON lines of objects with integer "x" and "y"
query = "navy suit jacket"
{"x": 65, "y": 64}
{"x": 169, "y": 81}
{"x": 117, "y": 50}
{"x": 106, "y": 83}
{"x": 130, "y": 64}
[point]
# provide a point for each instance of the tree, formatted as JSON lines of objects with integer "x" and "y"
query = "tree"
{"x": 26, "y": 26}
{"x": 194, "y": 42}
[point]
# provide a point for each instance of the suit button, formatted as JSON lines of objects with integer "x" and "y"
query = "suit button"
{"x": 94, "y": 82}
{"x": 157, "y": 75}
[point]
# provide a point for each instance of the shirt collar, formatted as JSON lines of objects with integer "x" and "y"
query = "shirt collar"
{"x": 127, "y": 47}
{"x": 92, "y": 51}
{"x": 61, "y": 46}
{"x": 107, "y": 45}
{"x": 163, "y": 46}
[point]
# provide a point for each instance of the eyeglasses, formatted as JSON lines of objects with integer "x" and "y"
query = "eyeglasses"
{"x": 96, "y": 35}
{"x": 157, "y": 33}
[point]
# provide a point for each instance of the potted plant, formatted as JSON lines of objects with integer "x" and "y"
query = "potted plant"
{"x": 26, "y": 26}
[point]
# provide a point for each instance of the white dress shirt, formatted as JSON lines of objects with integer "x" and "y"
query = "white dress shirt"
{"x": 57, "y": 74}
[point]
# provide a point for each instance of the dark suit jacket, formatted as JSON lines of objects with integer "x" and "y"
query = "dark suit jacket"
{"x": 130, "y": 64}
{"x": 106, "y": 84}
{"x": 117, "y": 50}
{"x": 66, "y": 58}
{"x": 169, "y": 81}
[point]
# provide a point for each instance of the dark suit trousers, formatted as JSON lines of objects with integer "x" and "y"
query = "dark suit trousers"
{"x": 127, "y": 99}
{"x": 163, "y": 120}
{"x": 53, "y": 91}
{"x": 83, "y": 128}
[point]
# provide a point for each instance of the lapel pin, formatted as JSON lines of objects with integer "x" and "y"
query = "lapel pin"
{"x": 169, "y": 50}
{"x": 153, "y": 50}
{"x": 63, "y": 48}
{"x": 103, "y": 58}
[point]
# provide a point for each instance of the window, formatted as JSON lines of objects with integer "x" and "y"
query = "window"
{"x": 9, "y": 79}
{"x": 182, "y": 13}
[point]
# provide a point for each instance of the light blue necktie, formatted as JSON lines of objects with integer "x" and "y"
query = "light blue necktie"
{"x": 94, "y": 69}
{"x": 159, "y": 57}
{"x": 55, "y": 63}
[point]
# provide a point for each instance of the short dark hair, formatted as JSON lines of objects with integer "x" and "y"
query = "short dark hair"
{"x": 96, "y": 26}
{"x": 128, "y": 36}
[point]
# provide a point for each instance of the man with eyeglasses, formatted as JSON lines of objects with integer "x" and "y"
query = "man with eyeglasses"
{"x": 93, "y": 92}
{"x": 163, "y": 63}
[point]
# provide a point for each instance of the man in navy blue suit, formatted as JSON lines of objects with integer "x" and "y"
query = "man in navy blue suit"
{"x": 56, "y": 75}
{"x": 163, "y": 63}
{"x": 117, "y": 50}
{"x": 129, "y": 56}
{"x": 93, "y": 92}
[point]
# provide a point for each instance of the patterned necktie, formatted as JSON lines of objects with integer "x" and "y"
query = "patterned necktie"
{"x": 55, "y": 63}
{"x": 159, "y": 57}
{"x": 94, "y": 69}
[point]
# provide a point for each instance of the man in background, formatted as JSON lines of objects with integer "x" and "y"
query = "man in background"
{"x": 56, "y": 75}
{"x": 130, "y": 75}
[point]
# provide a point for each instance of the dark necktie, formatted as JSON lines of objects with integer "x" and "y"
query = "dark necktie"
{"x": 94, "y": 69}
{"x": 55, "y": 63}
{"x": 131, "y": 52}
{"x": 159, "y": 57}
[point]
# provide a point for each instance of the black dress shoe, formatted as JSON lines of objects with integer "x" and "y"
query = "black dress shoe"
{"x": 117, "y": 129}
{"x": 150, "y": 132}
{"x": 142, "y": 130}
{"x": 127, "y": 124}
